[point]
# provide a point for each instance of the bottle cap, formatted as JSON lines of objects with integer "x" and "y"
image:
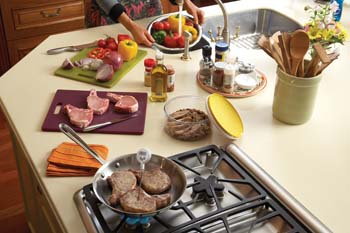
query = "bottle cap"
{"x": 220, "y": 65}
{"x": 170, "y": 69}
{"x": 206, "y": 51}
{"x": 221, "y": 46}
{"x": 149, "y": 62}
{"x": 159, "y": 55}
{"x": 229, "y": 69}
{"x": 246, "y": 67}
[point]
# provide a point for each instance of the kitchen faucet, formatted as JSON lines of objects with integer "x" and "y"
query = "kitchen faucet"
{"x": 225, "y": 30}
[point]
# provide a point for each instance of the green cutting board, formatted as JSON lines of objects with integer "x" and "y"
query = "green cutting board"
{"x": 88, "y": 76}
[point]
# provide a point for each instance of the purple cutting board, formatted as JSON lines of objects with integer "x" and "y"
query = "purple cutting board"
{"x": 77, "y": 98}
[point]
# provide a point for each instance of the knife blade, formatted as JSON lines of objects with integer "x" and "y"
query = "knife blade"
{"x": 72, "y": 48}
{"x": 104, "y": 124}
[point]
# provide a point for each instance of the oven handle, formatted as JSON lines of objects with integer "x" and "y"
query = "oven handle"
{"x": 303, "y": 214}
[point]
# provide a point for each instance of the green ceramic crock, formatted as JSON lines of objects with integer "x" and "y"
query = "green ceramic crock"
{"x": 294, "y": 98}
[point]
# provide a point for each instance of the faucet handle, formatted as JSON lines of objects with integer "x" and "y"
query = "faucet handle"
{"x": 210, "y": 33}
{"x": 186, "y": 56}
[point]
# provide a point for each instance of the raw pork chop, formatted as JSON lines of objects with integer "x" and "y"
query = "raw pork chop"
{"x": 121, "y": 182}
{"x": 78, "y": 116}
{"x": 97, "y": 104}
{"x": 154, "y": 181}
{"x": 124, "y": 103}
{"x": 138, "y": 201}
{"x": 127, "y": 104}
{"x": 114, "y": 98}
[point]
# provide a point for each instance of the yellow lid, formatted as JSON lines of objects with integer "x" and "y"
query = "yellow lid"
{"x": 225, "y": 115}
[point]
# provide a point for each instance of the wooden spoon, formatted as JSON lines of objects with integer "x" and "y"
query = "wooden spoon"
{"x": 299, "y": 44}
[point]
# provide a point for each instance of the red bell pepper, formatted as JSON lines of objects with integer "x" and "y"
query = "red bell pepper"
{"x": 122, "y": 37}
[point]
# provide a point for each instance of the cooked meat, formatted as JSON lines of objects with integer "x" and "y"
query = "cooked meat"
{"x": 162, "y": 200}
{"x": 137, "y": 173}
{"x": 78, "y": 116}
{"x": 188, "y": 124}
{"x": 154, "y": 181}
{"x": 127, "y": 104}
{"x": 114, "y": 98}
{"x": 120, "y": 182}
{"x": 138, "y": 201}
{"x": 97, "y": 104}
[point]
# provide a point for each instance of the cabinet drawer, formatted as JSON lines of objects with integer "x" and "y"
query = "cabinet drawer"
{"x": 26, "y": 20}
{"x": 46, "y": 15}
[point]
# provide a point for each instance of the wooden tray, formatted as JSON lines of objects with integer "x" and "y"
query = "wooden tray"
{"x": 237, "y": 92}
{"x": 88, "y": 76}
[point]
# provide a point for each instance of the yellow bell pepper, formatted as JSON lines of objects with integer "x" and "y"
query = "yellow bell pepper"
{"x": 191, "y": 30}
{"x": 127, "y": 49}
{"x": 174, "y": 22}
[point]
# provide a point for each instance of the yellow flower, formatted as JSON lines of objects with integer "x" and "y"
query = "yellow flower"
{"x": 322, "y": 27}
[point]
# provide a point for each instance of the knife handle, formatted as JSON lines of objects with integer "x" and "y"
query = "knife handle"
{"x": 93, "y": 127}
{"x": 59, "y": 50}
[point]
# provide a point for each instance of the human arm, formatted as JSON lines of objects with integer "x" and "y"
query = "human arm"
{"x": 195, "y": 11}
{"x": 140, "y": 34}
{"x": 192, "y": 9}
{"x": 115, "y": 11}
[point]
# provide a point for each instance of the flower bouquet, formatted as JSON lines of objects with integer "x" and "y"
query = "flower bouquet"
{"x": 322, "y": 27}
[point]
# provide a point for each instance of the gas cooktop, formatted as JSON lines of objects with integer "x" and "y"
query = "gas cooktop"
{"x": 226, "y": 192}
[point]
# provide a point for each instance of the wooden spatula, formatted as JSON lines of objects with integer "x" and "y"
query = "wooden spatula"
{"x": 264, "y": 44}
{"x": 319, "y": 55}
{"x": 285, "y": 52}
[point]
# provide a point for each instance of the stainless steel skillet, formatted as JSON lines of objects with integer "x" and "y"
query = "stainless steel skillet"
{"x": 101, "y": 187}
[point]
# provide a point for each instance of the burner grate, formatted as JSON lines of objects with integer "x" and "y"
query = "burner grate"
{"x": 235, "y": 201}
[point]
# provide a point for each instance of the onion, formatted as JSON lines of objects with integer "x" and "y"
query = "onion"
{"x": 67, "y": 64}
{"x": 104, "y": 73}
{"x": 114, "y": 59}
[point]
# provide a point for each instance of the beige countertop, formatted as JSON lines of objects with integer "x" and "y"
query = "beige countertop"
{"x": 312, "y": 161}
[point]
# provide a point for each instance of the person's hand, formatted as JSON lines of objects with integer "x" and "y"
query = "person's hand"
{"x": 192, "y": 9}
{"x": 139, "y": 33}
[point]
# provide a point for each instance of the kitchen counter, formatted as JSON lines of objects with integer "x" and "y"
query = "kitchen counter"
{"x": 311, "y": 161}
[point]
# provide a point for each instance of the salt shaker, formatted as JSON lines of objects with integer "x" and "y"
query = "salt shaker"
{"x": 229, "y": 75}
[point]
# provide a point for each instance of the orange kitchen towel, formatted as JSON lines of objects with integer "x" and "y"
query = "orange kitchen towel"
{"x": 69, "y": 159}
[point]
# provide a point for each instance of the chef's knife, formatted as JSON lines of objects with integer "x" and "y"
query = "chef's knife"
{"x": 72, "y": 48}
{"x": 97, "y": 126}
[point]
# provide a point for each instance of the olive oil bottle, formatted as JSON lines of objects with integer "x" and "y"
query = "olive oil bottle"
{"x": 159, "y": 79}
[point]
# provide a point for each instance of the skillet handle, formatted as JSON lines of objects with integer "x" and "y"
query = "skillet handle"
{"x": 69, "y": 132}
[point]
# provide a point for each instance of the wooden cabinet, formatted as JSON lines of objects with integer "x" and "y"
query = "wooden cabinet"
{"x": 39, "y": 210}
{"x": 26, "y": 23}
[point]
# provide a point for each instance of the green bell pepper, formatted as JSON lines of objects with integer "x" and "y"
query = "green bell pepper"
{"x": 159, "y": 36}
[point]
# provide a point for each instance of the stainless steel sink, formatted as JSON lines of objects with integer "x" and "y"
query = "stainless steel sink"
{"x": 252, "y": 24}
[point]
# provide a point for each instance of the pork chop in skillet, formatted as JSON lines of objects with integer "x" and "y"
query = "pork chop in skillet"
{"x": 121, "y": 182}
{"x": 154, "y": 181}
{"x": 138, "y": 201}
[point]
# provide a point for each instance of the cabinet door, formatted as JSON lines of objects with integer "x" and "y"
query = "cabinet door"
{"x": 40, "y": 216}
{"x": 19, "y": 48}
